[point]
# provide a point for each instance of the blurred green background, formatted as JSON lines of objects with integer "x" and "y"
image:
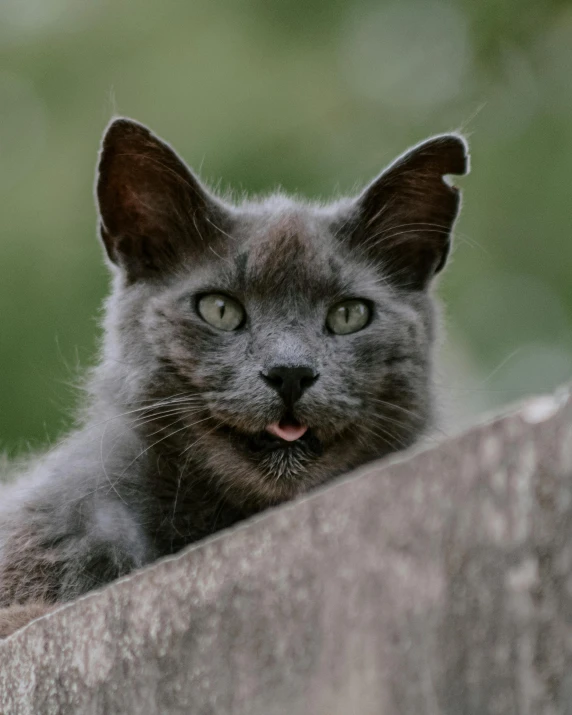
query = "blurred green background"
{"x": 316, "y": 96}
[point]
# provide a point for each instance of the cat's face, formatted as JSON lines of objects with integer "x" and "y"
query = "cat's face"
{"x": 300, "y": 334}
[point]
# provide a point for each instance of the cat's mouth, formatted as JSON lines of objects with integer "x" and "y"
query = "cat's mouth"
{"x": 288, "y": 434}
{"x": 287, "y": 430}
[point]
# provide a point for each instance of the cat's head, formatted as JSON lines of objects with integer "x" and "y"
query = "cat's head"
{"x": 293, "y": 338}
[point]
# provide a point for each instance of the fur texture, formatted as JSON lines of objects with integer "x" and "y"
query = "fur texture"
{"x": 173, "y": 444}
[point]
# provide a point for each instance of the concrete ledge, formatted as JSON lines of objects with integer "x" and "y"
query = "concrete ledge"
{"x": 436, "y": 584}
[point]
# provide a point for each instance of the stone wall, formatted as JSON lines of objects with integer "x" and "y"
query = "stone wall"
{"x": 438, "y": 583}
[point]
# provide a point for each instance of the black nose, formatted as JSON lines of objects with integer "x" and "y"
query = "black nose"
{"x": 290, "y": 382}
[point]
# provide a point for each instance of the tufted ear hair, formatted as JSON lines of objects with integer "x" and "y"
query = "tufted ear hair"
{"x": 153, "y": 210}
{"x": 405, "y": 217}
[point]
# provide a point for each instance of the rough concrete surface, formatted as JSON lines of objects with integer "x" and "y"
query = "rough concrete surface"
{"x": 439, "y": 583}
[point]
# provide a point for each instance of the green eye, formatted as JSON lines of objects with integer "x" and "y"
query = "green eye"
{"x": 348, "y": 317}
{"x": 221, "y": 312}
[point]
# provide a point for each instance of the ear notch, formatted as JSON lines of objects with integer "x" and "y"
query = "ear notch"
{"x": 153, "y": 210}
{"x": 406, "y": 215}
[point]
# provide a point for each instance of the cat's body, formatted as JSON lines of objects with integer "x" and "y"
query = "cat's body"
{"x": 250, "y": 353}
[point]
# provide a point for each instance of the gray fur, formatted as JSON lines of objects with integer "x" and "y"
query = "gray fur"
{"x": 149, "y": 469}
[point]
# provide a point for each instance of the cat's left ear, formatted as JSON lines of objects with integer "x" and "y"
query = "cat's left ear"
{"x": 154, "y": 211}
{"x": 405, "y": 217}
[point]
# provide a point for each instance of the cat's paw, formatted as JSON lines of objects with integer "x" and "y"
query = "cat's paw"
{"x": 15, "y": 617}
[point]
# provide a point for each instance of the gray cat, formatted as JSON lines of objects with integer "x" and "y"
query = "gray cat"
{"x": 251, "y": 352}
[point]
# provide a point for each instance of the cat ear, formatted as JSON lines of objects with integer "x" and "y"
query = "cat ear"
{"x": 406, "y": 215}
{"x": 153, "y": 210}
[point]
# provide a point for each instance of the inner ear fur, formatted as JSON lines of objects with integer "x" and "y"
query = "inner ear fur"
{"x": 153, "y": 209}
{"x": 406, "y": 215}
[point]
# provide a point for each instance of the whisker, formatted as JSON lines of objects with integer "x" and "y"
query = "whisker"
{"x": 384, "y": 434}
{"x": 393, "y": 405}
{"x": 154, "y": 444}
{"x": 209, "y": 431}
{"x": 418, "y": 227}
{"x": 105, "y": 472}
{"x": 164, "y": 403}
{"x": 182, "y": 471}
{"x": 141, "y": 421}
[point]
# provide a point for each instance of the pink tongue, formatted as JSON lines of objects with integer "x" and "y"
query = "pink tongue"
{"x": 287, "y": 432}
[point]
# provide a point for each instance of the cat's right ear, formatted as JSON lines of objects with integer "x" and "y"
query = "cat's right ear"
{"x": 405, "y": 217}
{"x": 153, "y": 210}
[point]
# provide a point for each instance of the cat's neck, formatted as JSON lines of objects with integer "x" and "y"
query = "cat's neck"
{"x": 178, "y": 499}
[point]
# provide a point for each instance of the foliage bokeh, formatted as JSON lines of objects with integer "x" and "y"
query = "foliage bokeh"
{"x": 316, "y": 96}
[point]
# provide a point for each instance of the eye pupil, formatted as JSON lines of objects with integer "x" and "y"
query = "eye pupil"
{"x": 348, "y": 317}
{"x": 221, "y": 311}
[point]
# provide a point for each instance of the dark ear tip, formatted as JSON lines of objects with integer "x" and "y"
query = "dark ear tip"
{"x": 457, "y": 150}
{"x": 443, "y": 154}
{"x": 121, "y": 128}
{"x": 450, "y": 152}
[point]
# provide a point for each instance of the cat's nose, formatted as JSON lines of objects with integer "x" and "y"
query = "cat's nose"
{"x": 290, "y": 382}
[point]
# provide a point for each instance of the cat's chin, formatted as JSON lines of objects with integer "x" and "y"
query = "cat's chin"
{"x": 262, "y": 469}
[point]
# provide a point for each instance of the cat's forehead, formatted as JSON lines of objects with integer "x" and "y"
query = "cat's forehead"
{"x": 291, "y": 248}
